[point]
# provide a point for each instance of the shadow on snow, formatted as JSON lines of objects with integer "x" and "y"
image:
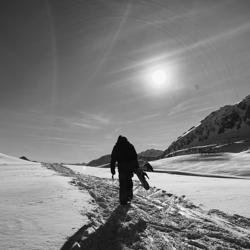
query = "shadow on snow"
{"x": 117, "y": 231}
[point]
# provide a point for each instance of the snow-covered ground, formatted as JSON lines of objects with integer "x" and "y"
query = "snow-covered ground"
{"x": 229, "y": 195}
{"x": 50, "y": 206}
{"x": 39, "y": 208}
{"x": 156, "y": 219}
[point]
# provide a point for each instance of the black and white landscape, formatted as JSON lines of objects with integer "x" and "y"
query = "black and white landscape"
{"x": 172, "y": 76}
{"x": 198, "y": 200}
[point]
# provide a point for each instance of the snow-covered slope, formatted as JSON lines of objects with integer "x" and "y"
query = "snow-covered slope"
{"x": 229, "y": 124}
{"x": 226, "y": 164}
{"x": 6, "y": 159}
{"x": 38, "y": 208}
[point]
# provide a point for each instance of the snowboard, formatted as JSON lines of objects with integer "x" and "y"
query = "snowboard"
{"x": 142, "y": 177}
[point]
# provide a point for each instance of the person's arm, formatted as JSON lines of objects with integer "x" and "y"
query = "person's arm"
{"x": 113, "y": 161}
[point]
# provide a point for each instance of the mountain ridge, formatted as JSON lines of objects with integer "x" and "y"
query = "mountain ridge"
{"x": 228, "y": 124}
{"x": 147, "y": 155}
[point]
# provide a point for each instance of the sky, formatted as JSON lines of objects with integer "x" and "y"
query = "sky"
{"x": 75, "y": 74}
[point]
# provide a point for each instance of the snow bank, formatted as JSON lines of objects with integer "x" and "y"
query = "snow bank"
{"x": 38, "y": 208}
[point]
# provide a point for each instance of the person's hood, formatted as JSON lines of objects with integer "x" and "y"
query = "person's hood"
{"x": 122, "y": 140}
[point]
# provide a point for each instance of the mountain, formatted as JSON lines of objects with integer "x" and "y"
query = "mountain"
{"x": 226, "y": 129}
{"x": 105, "y": 159}
{"x": 148, "y": 155}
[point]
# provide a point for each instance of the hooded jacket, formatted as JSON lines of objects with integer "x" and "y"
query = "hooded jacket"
{"x": 125, "y": 155}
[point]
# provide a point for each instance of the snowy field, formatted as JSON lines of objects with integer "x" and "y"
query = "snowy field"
{"x": 156, "y": 219}
{"x": 229, "y": 195}
{"x": 38, "y": 208}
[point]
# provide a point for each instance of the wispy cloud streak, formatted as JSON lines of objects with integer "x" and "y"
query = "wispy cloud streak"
{"x": 85, "y": 125}
{"x": 99, "y": 118}
{"x": 90, "y": 121}
{"x": 191, "y": 47}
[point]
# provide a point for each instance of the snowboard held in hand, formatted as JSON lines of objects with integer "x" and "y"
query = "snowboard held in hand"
{"x": 141, "y": 176}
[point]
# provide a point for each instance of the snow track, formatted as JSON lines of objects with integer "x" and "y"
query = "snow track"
{"x": 155, "y": 220}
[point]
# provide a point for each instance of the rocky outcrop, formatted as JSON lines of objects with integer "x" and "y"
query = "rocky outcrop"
{"x": 24, "y": 158}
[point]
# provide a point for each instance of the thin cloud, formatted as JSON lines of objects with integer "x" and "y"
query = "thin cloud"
{"x": 59, "y": 141}
{"x": 100, "y": 119}
{"x": 191, "y": 105}
{"x": 111, "y": 44}
{"x": 204, "y": 109}
{"x": 145, "y": 118}
{"x": 138, "y": 119}
{"x": 85, "y": 125}
{"x": 194, "y": 46}
{"x": 95, "y": 118}
{"x": 89, "y": 121}
{"x": 66, "y": 144}
{"x": 181, "y": 108}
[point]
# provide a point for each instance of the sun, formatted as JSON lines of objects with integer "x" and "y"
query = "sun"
{"x": 159, "y": 77}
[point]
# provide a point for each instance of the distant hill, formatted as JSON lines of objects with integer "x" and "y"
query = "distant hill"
{"x": 148, "y": 155}
{"x": 77, "y": 164}
{"x": 225, "y": 130}
{"x": 24, "y": 158}
{"x": 105, "y": 159}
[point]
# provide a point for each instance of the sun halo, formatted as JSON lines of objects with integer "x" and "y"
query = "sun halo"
{"x": 160, "y": 79}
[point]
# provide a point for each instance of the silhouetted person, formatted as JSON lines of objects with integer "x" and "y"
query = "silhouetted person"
{"x": 125, "y": 155}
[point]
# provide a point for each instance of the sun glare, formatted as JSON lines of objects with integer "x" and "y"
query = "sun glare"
{"x": 160, "y": 78}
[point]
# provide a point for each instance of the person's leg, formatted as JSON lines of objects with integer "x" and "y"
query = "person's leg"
{"x": 130, "y": 189}
{"x": 123, "y": 190}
